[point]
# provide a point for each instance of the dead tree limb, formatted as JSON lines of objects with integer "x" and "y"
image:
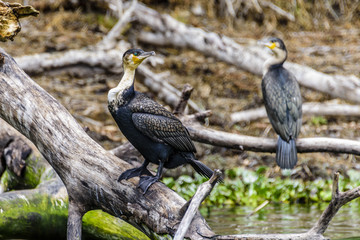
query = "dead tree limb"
{"x": 338, "y": 200}
{"x": 309, "y": 108}
{"x": 193, "y": 204}
{"x": 259, "y": 144}
{"x": 168, "y": 31}
{"x": 88, "y": 171}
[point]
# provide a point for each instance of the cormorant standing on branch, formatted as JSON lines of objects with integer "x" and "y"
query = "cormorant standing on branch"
{"x": 154, "y": 131}
{"x": 282, "y": 101}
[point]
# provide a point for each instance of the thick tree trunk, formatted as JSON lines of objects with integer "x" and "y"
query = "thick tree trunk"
{"x": 88, "y": 171}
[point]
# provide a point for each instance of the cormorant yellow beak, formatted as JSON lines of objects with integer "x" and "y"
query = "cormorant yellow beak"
{"x": 142, "y": 57}
{"x": 271, "y": 46}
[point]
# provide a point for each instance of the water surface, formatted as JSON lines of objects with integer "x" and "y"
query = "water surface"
{"x": 284, "y": 218}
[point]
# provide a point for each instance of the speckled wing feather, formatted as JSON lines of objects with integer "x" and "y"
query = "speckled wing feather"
{"x": 159, "y": 124}
{"x": 282, "y": 100}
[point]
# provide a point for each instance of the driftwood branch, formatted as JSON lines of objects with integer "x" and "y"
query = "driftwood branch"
{"x": 259, "y": 144}
{"x": 168, "y": 31}
{"x": 193, "y": 204}
{"x": 88, "y": 171}
{"x": 337, "y": 201}
{"x": 309, "y": 108}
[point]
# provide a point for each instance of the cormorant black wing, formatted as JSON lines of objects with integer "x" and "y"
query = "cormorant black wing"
{"x": 159, "y": 124}
{"x": 164, "y": 129}
{"x": 282, "y": 100}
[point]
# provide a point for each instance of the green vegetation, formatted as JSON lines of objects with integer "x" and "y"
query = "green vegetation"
{"x": 245, "y": 187}
{"x": 319, "y": 120}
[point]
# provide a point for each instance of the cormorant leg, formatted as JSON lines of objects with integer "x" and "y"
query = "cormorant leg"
{"x": 147, "y": 181}
{"x": 134, "y": 172}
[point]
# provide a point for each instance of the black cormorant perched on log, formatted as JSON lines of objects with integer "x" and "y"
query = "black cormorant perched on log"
{"x": 154, "y": 131}
{"x": 282, "y": 101}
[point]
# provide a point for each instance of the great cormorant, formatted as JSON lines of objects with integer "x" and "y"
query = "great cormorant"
{"x": 154, "y": 131}
{"x": 283, "y": 102}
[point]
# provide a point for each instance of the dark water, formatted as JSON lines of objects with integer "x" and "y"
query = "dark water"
{"x": 283, "y": 218}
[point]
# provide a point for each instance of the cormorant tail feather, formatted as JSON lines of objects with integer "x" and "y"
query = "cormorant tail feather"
{"x": 286, "y": 154}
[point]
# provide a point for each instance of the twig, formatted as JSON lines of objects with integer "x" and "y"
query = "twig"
{"x": 185, "y": 96}
{"x": 278, "y": 10}
{"x": 193, "y": 204}
{"x": 310, "y": 108}
{"x": 110, "y": 39}
{"x": 261, "y": 206}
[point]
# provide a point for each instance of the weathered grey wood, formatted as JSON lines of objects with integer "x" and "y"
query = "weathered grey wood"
{"x": 260, "y": 144}
{"x": 169, "y": 31}
{"x": 88, "y": 171}
{"x": 309, "y": 108}
{"x": 338, "y": 200}
{"x": 74, "y": 223}
{"x": 193, "y": 205}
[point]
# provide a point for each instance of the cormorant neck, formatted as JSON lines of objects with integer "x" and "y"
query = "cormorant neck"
{"x": 275, "y": 61}
{"x": 126, "y": 82}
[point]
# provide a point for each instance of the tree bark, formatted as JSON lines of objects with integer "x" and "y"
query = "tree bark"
{"x": 88, "y": 171}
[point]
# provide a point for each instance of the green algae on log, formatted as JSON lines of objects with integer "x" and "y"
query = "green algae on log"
{"x": 42, "y": 214}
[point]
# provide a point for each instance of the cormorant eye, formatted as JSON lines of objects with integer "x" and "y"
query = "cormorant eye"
{"x": 136, "y": 53}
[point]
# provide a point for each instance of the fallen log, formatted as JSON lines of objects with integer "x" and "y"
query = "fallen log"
{"x": 88, "y": 171}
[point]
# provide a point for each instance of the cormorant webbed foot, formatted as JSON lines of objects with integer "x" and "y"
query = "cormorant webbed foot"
{"x": 146, "y": 182}
{"x": 134, "y": 172}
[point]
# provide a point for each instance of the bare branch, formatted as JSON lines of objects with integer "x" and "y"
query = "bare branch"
{"x": 258, "y": 144}
{"x": 185, "y": 96}
{"x": 309, "y": 108}
{"x": 192, "y": 206}
{"x": 110, "y": 39}
{"x": 337, "y": 201}
{"x": 278, "y": 10}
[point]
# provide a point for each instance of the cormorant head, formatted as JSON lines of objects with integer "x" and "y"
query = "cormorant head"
{"x": 133, "y": 57}
{"x": 277, "y": 46}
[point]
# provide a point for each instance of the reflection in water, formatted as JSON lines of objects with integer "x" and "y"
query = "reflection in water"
{"x": 284, "y": 218}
